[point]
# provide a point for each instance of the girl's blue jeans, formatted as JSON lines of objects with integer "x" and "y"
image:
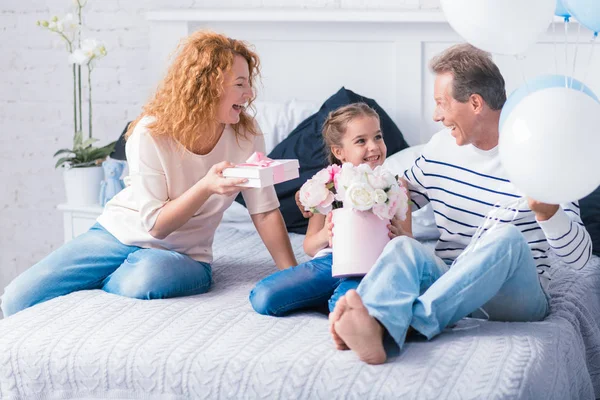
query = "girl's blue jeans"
{"x": 309, "y": 284}
{"x": 410, "y": 286}
{"x": 98, "y": 260}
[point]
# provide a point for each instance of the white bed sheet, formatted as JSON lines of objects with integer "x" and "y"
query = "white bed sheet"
{"x": 92, "y": 344}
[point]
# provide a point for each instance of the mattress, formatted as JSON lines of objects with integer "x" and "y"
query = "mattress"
{"x": 92, "y": 344}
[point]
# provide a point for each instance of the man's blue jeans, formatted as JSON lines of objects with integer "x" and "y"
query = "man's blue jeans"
{"x": 410, "y": 286}
{"x": 309, "y": 284}
{"x": 98, "y": 260}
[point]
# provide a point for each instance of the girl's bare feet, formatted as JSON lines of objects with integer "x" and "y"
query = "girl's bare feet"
{"x": 358, "y": 330}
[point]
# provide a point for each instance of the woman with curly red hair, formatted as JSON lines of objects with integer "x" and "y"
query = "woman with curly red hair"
{"x": 154, "y": 238}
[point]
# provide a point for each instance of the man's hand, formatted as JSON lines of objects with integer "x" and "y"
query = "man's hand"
{"x": 543, "y": 211}
{"x": 305, "y": 214}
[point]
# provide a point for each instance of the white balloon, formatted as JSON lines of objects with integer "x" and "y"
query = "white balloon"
{"x": 500, "y": 26}
{"x": 550, "y": 145}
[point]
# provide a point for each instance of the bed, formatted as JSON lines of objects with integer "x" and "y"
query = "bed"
{"x": 91, "y": 344}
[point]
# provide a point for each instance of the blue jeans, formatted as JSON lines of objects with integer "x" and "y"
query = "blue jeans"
{"x": 409, "y": 285}
{"x": 309, "y": 284}
{"x": 98, "y": 260}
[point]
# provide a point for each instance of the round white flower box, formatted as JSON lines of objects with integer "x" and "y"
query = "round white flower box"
{"x": 358, "y": 240}
{"x": 82, "y": 185}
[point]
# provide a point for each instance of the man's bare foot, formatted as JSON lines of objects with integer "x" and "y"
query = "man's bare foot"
{"x": 359, "y": 331}
{"x": 334, "y": 316}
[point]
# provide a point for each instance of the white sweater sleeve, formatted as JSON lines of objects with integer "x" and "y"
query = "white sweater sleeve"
{"x": 567, "y": 236}
{"x": 416, "y": 188}
{"x": 147, "y": 175}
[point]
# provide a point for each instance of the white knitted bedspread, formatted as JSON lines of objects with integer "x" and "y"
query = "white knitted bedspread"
{"x": 92, "y": 344}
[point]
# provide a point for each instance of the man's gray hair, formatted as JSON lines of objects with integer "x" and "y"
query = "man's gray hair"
{"x": 474, "y": 72}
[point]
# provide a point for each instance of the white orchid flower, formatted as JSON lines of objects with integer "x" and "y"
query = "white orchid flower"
{"x": 93, "y": 48}
{"x": 68, "y": 23}
{"x": 79, "y": 57}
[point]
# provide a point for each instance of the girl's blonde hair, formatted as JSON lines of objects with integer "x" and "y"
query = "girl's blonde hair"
{"x": 185, "y": 103}
{"x": 336, "y": 123}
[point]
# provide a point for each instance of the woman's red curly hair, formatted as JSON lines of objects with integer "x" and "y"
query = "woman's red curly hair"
{"x": 185, "y": 103}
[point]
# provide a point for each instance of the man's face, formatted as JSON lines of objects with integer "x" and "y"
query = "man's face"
{"x": 457, "y": 116}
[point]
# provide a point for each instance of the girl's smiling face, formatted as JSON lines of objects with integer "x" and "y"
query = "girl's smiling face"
{"x": 362, "y": 143}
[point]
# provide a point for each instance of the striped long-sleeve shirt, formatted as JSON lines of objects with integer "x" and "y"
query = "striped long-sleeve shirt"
{"x": 463, "y": 183}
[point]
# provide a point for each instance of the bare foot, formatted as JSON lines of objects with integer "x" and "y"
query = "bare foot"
{"x": 359, "y": 331}
{"x": 335, "y": 316}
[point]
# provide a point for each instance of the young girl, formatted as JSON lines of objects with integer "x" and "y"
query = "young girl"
{"x": 154, "y": 239}
{"x": 353, "y": 134}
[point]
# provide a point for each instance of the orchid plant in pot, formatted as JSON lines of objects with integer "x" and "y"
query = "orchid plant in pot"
{"x": 81, "y": 164}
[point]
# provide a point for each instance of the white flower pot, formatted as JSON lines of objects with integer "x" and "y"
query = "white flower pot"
{"x": 82, "y": 185}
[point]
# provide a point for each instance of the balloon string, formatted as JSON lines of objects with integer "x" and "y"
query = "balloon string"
{"x": 575, "y": 55}
{"x": 587, "y": 68}
{"x": 555, "y": 53}
{"x": 521, "y": 61}
{"x": 566, "y": 49}
{"x": 491, "y": 221}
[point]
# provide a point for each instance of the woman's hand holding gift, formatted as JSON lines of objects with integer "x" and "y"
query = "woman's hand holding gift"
{"x": 217, "y": 184}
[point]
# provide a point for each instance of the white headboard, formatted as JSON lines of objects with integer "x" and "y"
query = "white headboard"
{"x": 310, "y": 54}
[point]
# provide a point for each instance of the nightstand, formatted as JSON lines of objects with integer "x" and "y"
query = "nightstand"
{"x": 78, "y": 219}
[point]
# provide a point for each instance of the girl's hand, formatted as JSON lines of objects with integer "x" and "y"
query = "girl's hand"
{"x": 217, "y": 184}
{"x": 305, "y": 214}
{"x": 329, "y": 227}
{"x": 396, "y": 229}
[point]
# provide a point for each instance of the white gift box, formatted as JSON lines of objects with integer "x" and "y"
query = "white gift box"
{"x": 268, "y": 173}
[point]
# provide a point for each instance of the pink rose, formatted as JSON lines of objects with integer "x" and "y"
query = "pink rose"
{"x": 333, "y": 171}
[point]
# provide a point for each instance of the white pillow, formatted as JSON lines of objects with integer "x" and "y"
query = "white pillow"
{"x": 277, "y": 120}
{"x": 423, "y": 220}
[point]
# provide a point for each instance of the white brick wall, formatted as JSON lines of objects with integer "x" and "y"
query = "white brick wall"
{"x": 36, "y": 109}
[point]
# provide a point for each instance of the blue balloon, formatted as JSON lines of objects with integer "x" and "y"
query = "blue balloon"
{"x": 587, "y": 12}
{"x": 540, "y": 83}
{"x": 561, "y": 10}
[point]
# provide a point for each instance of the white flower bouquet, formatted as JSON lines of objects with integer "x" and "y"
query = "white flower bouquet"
{"x": 360, "y": 188}
{"x": 363, "y": 201}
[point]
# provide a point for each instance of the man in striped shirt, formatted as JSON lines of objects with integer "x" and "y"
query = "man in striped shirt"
{"x": 504, "y": 273}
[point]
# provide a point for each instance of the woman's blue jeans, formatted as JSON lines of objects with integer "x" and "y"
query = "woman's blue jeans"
{"x": 410, "y": 286}
{"x": 98, "y": 260}
{"x": 306, "y": 285}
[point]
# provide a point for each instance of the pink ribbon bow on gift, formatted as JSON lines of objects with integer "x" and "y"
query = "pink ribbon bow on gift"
{"x": 258, "y": 159}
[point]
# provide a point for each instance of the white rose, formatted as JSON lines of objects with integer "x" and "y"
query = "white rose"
{"x": 323, "y": 176}
{"x": 344, "y": 179}
{"x": 382, "y": 211}
{"x": 359, "y": 196}
{"x": 377, "y": 180}
{"x": 398, "y": 204}
{"x": 384, "y": 177}
{"x": 379, "y": 196}
{"x": 313, "y": 193}
{"x": 326, "y": 205}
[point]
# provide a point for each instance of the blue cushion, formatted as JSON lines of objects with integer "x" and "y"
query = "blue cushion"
{"x": 305, "y": 143}
{"x": 590, "y": 215}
